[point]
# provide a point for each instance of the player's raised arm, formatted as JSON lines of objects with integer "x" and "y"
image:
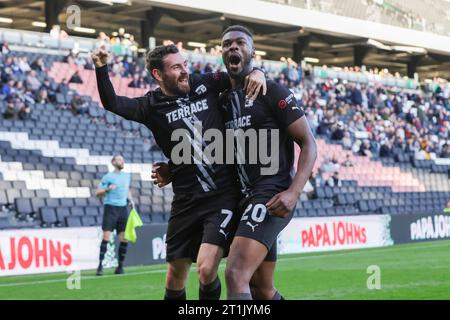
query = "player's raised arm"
{"x": 129, "y": 108}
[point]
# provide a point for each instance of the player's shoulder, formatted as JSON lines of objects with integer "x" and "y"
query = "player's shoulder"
{"x": 273, "y": 86}
{"x": 277, "y": 92}
{"x": 200, "y": 82}
{"x": 107, "y": 175}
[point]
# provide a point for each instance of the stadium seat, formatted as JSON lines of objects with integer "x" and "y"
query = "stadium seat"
{"x": 3, "y": 198}
{"x": 52, "y": 202}
{"x": 67, "y": 202}
{"x": 157, "y": 218}
{"x": 48, "y": 217}
{"x": 92, "y": 211}
{"x": 145, "y": 218}
{"x": 4, "y": 223}
{"x": 88, "y": 221}
{"x": 12, "y": 194}
{"x": 73, "y": 222}
{"x": 62, "y": 212}
{"x": 81, "y": 202}
{"x": 363, "y": 206}
{"x": 23, "y": 206}
{"x": 77, "y": 211}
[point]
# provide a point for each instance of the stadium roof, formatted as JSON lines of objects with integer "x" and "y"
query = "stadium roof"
{"x": 165, "y": 20}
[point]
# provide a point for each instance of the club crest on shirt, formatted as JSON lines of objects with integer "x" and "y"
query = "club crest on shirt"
{"x": 200, "y": 89}
{"x": 248, "y": 102}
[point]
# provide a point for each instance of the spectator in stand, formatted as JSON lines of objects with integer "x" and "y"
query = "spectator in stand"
{"x": 445, "y": 151}
{"x": 32, "y": 81}
{"x": 50, "y": 92}
{"x": 329, "y": 165}
{"x": 318, "y": 179}
{"x": 79, "y": 106}
{"x": 347, "y": 162}
{"x": 334, "y": 180}
{"x": 10, "y": 110}
{"x": 386, "y": 149}
{"x": 208, "y": 68}
{"x": 76, "y": 78}
{"x": 42, "y": 96}
{"x": 337, "y": 131}
{"x": 4, "y": 48}
{"x": 365, "y": 149}
{"x": 347, "y": 141}
{"x": 38, "y": 65}
{"x": 7, "y": 87}
{"x": 136, "y": 82}
{"x": 63, "y": 86}
{"x": 24, "y": 112}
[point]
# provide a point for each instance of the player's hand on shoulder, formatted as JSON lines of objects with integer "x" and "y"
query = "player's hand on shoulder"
{"x": 282, "y": 204}
{"x": 100, "y": 57}
{"x": 161, "y": 174}
{"x": 255, "y": 83}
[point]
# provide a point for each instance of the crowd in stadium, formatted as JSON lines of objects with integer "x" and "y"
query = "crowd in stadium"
{"x": 24, "y": 84}
{"x": 375, "y": 121}
{"x": 370, "y": 120}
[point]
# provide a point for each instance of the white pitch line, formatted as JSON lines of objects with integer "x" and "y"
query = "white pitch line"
{"x": 359, "y": 251}
{"x": 82, "y": 278}
{"x": 222, "y": 265}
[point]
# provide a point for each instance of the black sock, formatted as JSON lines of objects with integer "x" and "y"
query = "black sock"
{"x": 277, "y": 296}
{"x": 175, "y": 294}
{"x": 210, "y": 291}
{"x": 122, "y": 252}
{"x": 103, "y": 247}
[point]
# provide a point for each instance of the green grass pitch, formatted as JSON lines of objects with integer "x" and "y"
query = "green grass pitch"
{"x": 412, "y": 271}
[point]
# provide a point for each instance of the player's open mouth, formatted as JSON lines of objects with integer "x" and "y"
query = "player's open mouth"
{"x": 234, "y": 60}
{"x": 183, "y": 81}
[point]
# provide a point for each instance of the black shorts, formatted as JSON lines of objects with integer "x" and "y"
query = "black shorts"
{"x": 256, "y": 222}
{"x": 114, "y": 218}
{"x": 201, "y": 218}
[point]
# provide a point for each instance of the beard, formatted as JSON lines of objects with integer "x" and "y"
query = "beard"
{"x": 119, "y": 166}
{"x": 240, "y": 70}
{"x": 177, "y": 85}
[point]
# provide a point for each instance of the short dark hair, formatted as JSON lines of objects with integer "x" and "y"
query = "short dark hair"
{"x": 239, "y": 28}
{"x": 154, "y": 59}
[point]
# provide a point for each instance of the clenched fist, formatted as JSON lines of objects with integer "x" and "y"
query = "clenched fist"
{"x": 99, "y": 57}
